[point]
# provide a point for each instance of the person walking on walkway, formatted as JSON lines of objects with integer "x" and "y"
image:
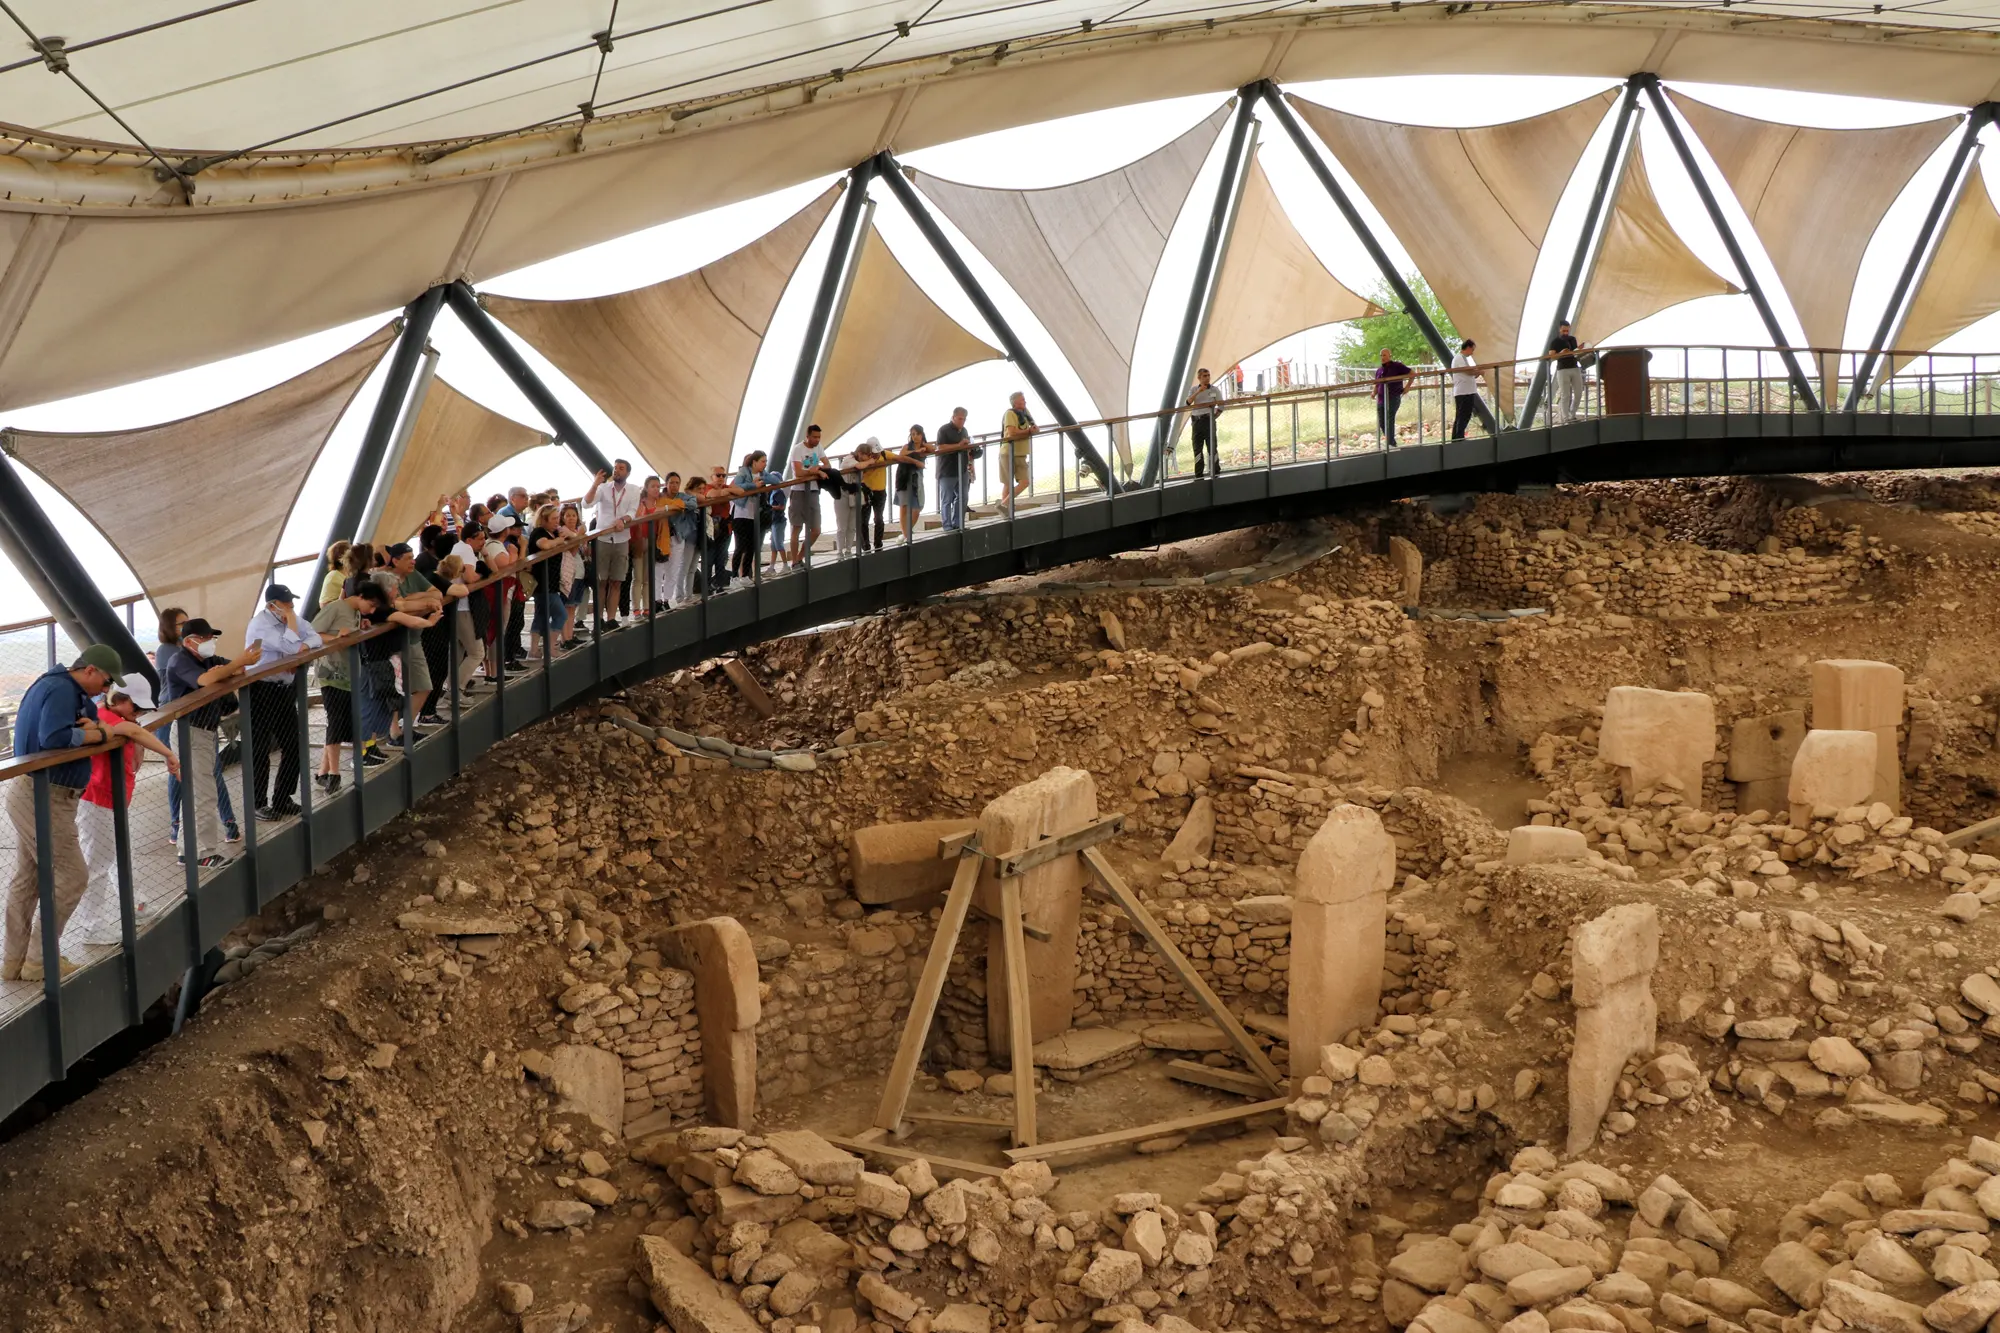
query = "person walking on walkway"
{"x": 954, "y": 470}
{"x": 194, "y": 668}
{"x": 273, "y": 702}
{"x": 1464, "y": 389}
{"x": 1017, "y": 429}
{"x": 1568, "y": 401}
{"x": 98, "y": 914}
{"x": 1391, "y": 376}
{"x": 55, "y": 714}
{"x": 1201, "y": 422}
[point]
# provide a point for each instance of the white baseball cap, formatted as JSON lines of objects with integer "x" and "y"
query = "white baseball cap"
{"x": 139, "y": 690}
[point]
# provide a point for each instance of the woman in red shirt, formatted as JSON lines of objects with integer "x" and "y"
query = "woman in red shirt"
{"x": 97, "y": 916}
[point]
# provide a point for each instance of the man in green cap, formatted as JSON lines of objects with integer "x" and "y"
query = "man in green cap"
{"x": 55, "y": 714}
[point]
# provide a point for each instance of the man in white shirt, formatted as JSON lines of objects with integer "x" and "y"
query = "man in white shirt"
{"x": 273, "y": 703}
{"x": 616, "y": 501}
{"x": 1464, "y": 389}
{"x": 1204, "y": 400}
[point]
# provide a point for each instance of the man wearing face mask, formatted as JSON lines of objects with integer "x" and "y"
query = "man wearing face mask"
{"x": 195, "y": 667}
{"x": 273, "y": 704}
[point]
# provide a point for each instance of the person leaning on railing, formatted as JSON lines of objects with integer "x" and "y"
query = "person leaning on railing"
{"x": 96, "y": 825}
{"x": 273, "y": 705}
{"x": 54, "y": 714}
{"x": 195, "y": 667}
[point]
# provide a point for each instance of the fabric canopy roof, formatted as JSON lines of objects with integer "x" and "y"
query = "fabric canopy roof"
{"x": 1962, "y": 285}
{"x": 1082, "y": 256}
{"x": 1815, "y": 197}
{"x": 1642, "y": 265}
{"x": 1272, "y": 284}
{"x": 670, "y": 363}
{"x": 242, "y": 465}
{"x": 455, "y": 442}
{"x": 1471, "y": 206}
{"x": 892, "y": 338}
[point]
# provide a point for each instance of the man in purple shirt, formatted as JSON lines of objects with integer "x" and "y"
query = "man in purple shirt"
{"x": 1390, "y": 377}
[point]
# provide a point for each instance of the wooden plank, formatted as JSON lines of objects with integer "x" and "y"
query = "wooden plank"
{"x": 976, "y": 1121}
{"x": 1191, "y": 979}
{"x": 748, "y": 686}
{"x": 1020, "y": 1018}
{"x": 1971, "y": 833}
{"x": 1140, "y": 1133}
{"x": 1102, "y": 830}
{"x": 1223, "y": 1080}
{"x": 1032, "y": 932}
{"x": 923, "y": 1004}
{"x": 957, "y": 844}
{"x": 944, "y": 1166}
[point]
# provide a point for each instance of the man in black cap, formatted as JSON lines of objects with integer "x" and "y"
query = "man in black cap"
{"x": 273, "y": 702}
{"x": 195, "y": 667}
{"x": 55, "y": 714}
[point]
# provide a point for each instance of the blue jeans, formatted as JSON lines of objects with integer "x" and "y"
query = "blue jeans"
{"x": 228, "y": 811}
{"x": 375, "y": 692}
{"x": 551, "y": 611}
{"x": 951, "y": 501}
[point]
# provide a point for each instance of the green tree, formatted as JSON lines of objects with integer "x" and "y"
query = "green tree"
{"x": 1361, "y": 342}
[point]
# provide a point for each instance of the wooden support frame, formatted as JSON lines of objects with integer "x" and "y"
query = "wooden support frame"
{"x": 1020, "y": 1019}
{"x": 1102, "y": 830}
{"x": 1212, "y": 1003}
{"x": 1971, "y": 833}
{"x": 944, "y": 1166}
{"x": 930, "y": 986}
{"x": 1032, "y": 932}
{"x": 1140, "y": 1133}
{"x": 1222, "y": 1080}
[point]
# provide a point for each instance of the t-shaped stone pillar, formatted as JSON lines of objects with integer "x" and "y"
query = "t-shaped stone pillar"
{"x": 1611, "y": 983}
{"x": 1340, "y": 912}
{"x": 1832, "y": 768}
{"x": 727, "y": 1002}
{"x": 1060, "y": 801}
{"x": 1653, "y": 735}
{"x": 1854, "y": 695}
{"x": 1408, "y": 562}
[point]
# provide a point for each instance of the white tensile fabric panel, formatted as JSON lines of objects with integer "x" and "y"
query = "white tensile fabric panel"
{"x": 1471, "y": 206}
{"x": 1815, "y": 197}
{"x": 126, "y": 298}
{"x": 1082, "y": 256}
{"x": 455, "y": 442}
{"x": 243, "y": 464}
{"x": 1642, "y": 266}
{"x": 1272, "y": 284}
{"x": 1962, "y": 285}
{"x": 892, "y": 339}
{"x": 670, "y": 362}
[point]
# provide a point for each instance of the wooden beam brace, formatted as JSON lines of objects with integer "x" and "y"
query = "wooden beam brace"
{"x": 1140, "y": 1133}
{"x": 923, "y": 1004}
{"x": 975, "y": 1121}
{"x": 1222, "y": 1080}
{"x": 1971, "y": 833}
{"x": 1032, "y": 932}
{"x": 958, "y": 844}
{"x": 1020, "y": 1015}
{"x": 1157, "y": 936}
{"x": 944, "y": 1166}
{"x": 1102, "y": 830}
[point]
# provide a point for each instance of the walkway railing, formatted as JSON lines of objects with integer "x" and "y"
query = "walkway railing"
{"x": 151, "y": 913}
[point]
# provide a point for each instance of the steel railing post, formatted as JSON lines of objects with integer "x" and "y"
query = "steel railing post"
{"x": 128, "y": 913}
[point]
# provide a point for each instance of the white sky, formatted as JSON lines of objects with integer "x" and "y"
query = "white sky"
{"x": 1038, "y": 155}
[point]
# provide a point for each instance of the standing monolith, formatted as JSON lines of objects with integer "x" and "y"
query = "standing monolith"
{"x": 1060, "y": 801}
{"x": 1611, "y": 985}
{"x": 1658, "y": 737}
{"x": 1851, "y": 694}
{"x": 1340, "y": 910}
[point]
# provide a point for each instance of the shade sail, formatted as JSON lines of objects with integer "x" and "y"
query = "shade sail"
{"x": 1272, "y": 284}
{"x": 892, "y": 338}
{"x": 669, "y": 363}
{"x": 1471, "y": 206}
{"x": 1815, "y": 197}
{"x": 1962, "y": 284}
{"x": 454, "y": 442}
{"x": 1082, "y": 256}
{"x": 195, "y": 507}
{"x": 1642, "y": 265}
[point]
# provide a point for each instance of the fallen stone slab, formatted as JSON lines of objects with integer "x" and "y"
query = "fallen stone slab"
{"x": 685, "y": 1295}
{"x": 457, "y": 919}
{"x": 1080, "y": 1048}
{"x": 1872, "y": 1310}
{"x": 1185, "y": 1035}
{"x": 816, "y": 1161}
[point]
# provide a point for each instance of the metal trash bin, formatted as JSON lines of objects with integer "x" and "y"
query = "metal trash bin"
{"x": 1627, "y": 380}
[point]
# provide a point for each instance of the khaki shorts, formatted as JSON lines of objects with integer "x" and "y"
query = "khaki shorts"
{"x": 1021, "y": 462}
{"x": 416, "y": 666}
{"x": 614, "y": 561}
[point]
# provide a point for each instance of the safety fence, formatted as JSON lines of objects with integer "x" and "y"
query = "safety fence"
{"x": 137, "y": 879}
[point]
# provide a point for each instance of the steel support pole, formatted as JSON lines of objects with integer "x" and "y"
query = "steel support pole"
{"x": 418, "y": 317}
{"x": 1588, "y": 241}
{"x": 86, "y": 615}
{"x": 1801, "y": 383}
{"x": 1949, "y": 189}
{"x": 465, "y": 304}
{"x": 834, "y": 283}
{"x": 1331, "y": 184}
{"x": 392, "y": 462}
{"x": 22, "y": 558}
{"x": 906, "y": 195}
{"x": 1207, "y": 267}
